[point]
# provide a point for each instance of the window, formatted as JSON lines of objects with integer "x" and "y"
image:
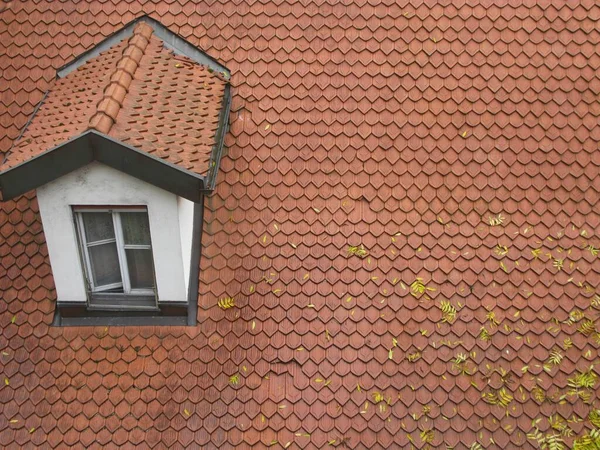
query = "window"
{"x": 117, "y": 254}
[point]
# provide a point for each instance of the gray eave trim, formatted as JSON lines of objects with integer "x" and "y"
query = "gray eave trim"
{"x": 172, "y": 41}
{"x": 93, "y": 146}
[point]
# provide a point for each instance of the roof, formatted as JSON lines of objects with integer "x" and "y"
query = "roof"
{"x": 135, "y": 89}
{"x": 399, "y": 126}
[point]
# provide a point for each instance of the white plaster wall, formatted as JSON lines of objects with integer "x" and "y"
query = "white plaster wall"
{"x": 97, "y": 184}
{"x": 186, "y": 230}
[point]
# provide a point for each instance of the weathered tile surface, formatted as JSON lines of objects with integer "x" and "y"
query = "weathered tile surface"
{"x": 400, "y": 126}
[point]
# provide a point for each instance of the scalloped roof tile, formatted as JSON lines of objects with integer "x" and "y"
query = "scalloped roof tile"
{"x": 457, "y": 141}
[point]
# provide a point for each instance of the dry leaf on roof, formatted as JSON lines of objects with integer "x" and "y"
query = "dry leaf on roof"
{"x": 581, "y": 384}
{"x": 491, "y": 317}
{"x": 558, "y": 263}
{"x": 559, "y": 424}
{"x": 460, "y": 358}
{"x": 496, "y": 220}
{"x": 377, "y": 397}
{"x": 414, "y": 356}
{"x": 538, "y": 394}
{"x": 554, "y": 359}
{"x": 427, "y": 436}
{"x": 501, "y": 397}
{"x": 501, "y": 250}
{"x": 548, "y": 441}
{"x": 574, "y": 316}
{"x": 418, "y": 287}
{"x": 357, "y": 251}
{"x": 594, "y": 417}
{"x": 484, "y": 334}
{"x": 448, "y": 311}
{"x": 589, "y": 441}
{"x": 587, "y": 327}
{"x": 226, "y": 303}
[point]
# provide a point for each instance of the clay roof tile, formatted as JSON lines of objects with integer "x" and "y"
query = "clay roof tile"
{"x": 458, "y": 144}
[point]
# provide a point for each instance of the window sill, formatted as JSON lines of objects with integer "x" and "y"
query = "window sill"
{"x": 100, "y": 301}
{"x": 121, "y": 320}
{"x": 80, "y": 314}
{"x": 121, "y": 308}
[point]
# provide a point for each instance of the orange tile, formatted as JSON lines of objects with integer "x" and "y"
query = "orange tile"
{"x": 403, "y": 127}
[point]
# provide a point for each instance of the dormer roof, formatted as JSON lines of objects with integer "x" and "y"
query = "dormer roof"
{"x": 143, "y": 101}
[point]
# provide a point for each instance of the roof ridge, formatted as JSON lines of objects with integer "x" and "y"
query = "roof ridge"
{"x": 108, "y": 108}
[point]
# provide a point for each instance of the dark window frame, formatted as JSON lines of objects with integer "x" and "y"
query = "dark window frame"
{"x": 101, "y": 298}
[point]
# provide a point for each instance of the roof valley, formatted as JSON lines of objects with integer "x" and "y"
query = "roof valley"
{"x": 108, "y": 108}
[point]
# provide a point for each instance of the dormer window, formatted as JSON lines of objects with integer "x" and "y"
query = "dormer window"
{"x": 121, "y": 151}
{"x": 116, "y": 250}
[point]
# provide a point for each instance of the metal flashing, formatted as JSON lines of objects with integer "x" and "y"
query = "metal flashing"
{"x": 216, "y": 154}
{"x": 172, "y": 41}
{"x": 80, "y": 314}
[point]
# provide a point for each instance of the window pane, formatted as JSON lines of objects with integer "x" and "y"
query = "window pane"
{"x": 98, "y": 226}
{"x": 136, "y": 229}
{"x": 105, "y": 264}
{"x": 141, "y": 274}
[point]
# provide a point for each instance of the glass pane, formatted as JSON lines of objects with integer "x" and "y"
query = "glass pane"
{"x": 105, "y": 264}
{"x": 98, "y": 226}
{"x": 141, "y": 274}
{"x": 136, "y": 229}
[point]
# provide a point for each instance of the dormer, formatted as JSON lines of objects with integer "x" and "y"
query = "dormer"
{"x": 121, "y": 150}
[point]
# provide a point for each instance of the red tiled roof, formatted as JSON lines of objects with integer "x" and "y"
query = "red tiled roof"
{"x": 456, "y": 141}
{"x": 138, "y": 92}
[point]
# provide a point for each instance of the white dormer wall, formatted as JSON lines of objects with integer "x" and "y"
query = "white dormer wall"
{"x": 170, "y": 217}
